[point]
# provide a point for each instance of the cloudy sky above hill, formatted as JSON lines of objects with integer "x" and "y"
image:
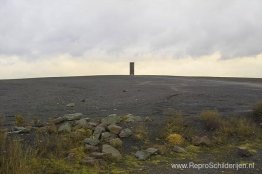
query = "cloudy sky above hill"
{"x": 168, "y": 37}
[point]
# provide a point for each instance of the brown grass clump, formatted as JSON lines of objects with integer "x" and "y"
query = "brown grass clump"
{"x": 229, "y": 129}
{"x": 257, "y": 112}
{"x": 13, "y": 157}
{"x": 212, "y": 119}
{"x": 2, "y": 132}
{"x": 177, "y": 124}
{"x": 141, "y": 132}
{"x": 19, "y": 120}
{"x": 239, "y": 127}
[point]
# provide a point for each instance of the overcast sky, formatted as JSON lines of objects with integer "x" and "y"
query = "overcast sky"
{"x": 40, "y": 38}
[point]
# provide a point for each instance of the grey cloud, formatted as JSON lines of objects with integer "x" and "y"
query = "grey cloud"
{"x": 178, "y": 28}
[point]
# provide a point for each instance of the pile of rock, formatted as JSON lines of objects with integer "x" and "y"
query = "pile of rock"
{"x": 106, "y": 140}
{"x": 106, "y": 134}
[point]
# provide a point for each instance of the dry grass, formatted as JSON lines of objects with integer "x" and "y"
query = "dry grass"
{"x": 141, "y": 132}
{"x": 223, "y": 130}
{"x": 19, "y": 120}
{"x": 257, "y": 112}
{"x": 47, "y": 153}
{"x": 229, "y": 129}
{"x": 239, "y": 128}
{"x": 13, "y": 157}
{"x": 212, "y": 119}
{"x": 177, "y": 124}
{"x": 175, "y": 139}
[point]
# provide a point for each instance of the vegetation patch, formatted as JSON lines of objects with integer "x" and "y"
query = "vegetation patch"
{"x": 87, "y": 146}
{"x": 175, "y": 139}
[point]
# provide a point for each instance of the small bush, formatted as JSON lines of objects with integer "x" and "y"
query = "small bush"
{"x": 175, "y": 124}
{"x": 212, "y": 119}
{"x": 175, "y": 139}
{"x": 183, "y": 125}
{"x": 239, "y": 127}
{"x": 257, "y": 112}
{"x": 19, "y": 120}
{"x": 141, "y": 132}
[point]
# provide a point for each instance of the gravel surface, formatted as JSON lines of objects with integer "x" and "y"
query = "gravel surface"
{"x": 143, "y": 95}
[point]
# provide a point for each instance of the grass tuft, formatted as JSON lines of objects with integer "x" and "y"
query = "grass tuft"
{"x": 257, "y": 112}
{"x": 212, "y": 119}
{"x": 19, "y": 120}
{"x": 175, "y": 139}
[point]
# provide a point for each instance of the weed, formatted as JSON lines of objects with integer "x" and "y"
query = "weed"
{"x": 212, "y": 119}
{"x": 257, "y": 112}
{"x": 19, "y": 120}
{"x": 175, "y": 139}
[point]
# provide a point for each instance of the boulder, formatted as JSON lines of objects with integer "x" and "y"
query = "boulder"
{"x": 111, "y": 119}
{"x": 98, "y": 131}
{"x": 245, "y": 151}
{"x": 125, "y": 133}
{"x": 204, "y": 140}
{"x": 106, "y": 136}
{"x": 91, "y": 141}
{"x": 115, "y": 154}
{"x": 92, "y": 125}
{"x": 91, "y": 148}
{"x": 65, "y": 128}
{"x": 142, "y": 155}
{"x": 87, "y": 119}
{"x": 82, "y": 123}
{"x": 114, "y": 128}
{"x": 99, "y": 155}
{"x": 152, "y": 150}
{"x": 132, "y": 118}
{"x": 58, "y": 120}
{"x": 178, "y": 149}
{"x": 162, "y": 149}
{"x": 70, "y": 105}
{"x": 116, "y": 142}
{"x": 72, "y": 117}
{"x": 20, "y": 130}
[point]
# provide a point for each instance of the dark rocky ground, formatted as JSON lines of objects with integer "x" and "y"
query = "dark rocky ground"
{"x": 141, "y": 95}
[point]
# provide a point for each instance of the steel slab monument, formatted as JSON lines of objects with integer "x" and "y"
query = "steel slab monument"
{"x": 132, "y": 68}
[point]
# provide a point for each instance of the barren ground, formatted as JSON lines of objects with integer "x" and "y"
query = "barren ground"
{"x": 141, "y": 95}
